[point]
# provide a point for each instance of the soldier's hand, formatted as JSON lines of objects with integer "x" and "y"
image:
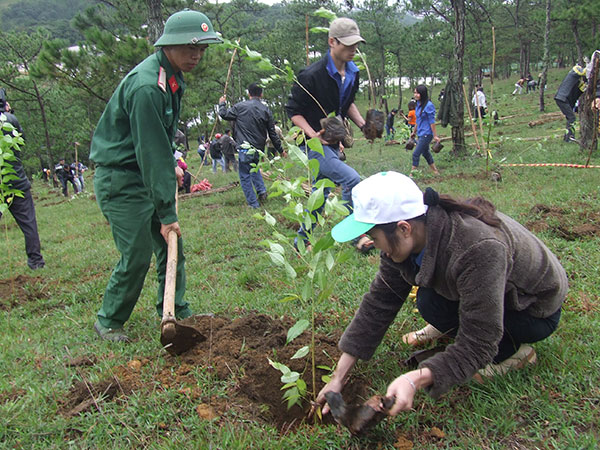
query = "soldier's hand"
{"x": 179, "y": 175}
{"x": 165, "y": 229}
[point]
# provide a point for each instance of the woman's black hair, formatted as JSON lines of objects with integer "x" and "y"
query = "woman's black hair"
{"x": 477, "y": 207}
{"x": 422, "y": 90}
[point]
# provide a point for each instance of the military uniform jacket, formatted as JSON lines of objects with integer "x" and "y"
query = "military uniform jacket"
{"x": 138, "y": 126}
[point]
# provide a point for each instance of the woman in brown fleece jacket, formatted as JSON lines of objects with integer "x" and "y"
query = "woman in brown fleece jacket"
{"x": 483, "y": 278}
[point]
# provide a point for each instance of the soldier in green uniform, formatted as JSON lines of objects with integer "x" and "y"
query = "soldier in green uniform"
{"x": 136, "y": 174}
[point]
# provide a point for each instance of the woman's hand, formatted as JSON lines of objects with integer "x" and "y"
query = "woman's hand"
{"x": 338, "y": 380}
{"x": 335, "y": 385}
{"x": 403, "y": 392}
{"x": 404, "y": 388}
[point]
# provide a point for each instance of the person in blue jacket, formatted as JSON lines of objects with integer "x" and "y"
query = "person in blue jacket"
{"x": 425, "y": 129}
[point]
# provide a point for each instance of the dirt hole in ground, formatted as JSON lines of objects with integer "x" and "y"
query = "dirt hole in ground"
{"x": 236, "y": 350}
{"x": 21, "y": 289}
{"x": 579, "y": 222}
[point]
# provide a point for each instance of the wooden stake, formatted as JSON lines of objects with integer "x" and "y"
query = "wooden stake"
{"x": 471, "y": 119}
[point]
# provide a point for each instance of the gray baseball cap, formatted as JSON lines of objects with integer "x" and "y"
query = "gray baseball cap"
{"x": 346, "y": 31}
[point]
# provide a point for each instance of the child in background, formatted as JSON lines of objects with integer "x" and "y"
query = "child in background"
{"x": 412, "y": 116}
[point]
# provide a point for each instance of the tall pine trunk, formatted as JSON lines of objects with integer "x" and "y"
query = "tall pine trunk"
{"x": 155, "y": 20}
{"x": 456, "y": 74}
{"x": 588, "y": 115}
{"x": 546, "y": 59}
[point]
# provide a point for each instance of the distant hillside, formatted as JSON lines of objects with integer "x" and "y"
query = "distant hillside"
{"x": 53, "y": 15}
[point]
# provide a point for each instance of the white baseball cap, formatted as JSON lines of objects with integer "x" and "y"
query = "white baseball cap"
{"x": 382, "y": 198}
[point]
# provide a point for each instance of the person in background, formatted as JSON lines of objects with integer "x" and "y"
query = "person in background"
{"x": 216, "y": 153}
{"x": 253, "y": 122}
{"x": 229, "y": 148}
{"x": 137, "y": 174}
{"x": 187, "y": 177}
{"x": 389, "y": 125}
{"x": 201, "y": 151}
{"x": 478, "y": 101}
{"x": 519, "y": 86}
{"x": 65, "y": 175}
{"x": 483, "y": 279}
{"x": 425, "y": 129}
{"x": 569, "y": 91}
{"x": 22, "y": 208}
{"x": 333, "y": 81}
{"x": 412, "y": 117}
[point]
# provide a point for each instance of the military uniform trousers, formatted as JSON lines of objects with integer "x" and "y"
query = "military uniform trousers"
{"x": 126, "y": 204}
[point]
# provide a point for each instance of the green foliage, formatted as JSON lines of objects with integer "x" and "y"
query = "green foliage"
{"x": 318, "y": 255}
{"x": 10, "y": 141}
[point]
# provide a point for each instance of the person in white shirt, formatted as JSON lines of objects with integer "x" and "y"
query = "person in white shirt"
{"x": 479, "y": 102}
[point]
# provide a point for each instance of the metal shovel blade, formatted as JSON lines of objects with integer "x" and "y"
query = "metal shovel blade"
{"x": 177, "y": 339}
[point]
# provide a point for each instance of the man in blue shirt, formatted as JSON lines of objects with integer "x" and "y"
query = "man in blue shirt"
{"x": 333, "y": 82}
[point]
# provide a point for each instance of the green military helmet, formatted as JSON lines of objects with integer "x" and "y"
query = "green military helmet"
{"x": 188, "y": 27}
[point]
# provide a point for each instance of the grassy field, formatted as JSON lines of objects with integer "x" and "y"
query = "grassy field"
{"x": 47, "y": 317}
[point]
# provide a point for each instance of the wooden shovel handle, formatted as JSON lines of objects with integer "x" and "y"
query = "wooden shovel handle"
{"x": 170, "y": 279}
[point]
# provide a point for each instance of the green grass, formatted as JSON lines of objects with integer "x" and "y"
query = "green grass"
{"x": 551, "y": 405}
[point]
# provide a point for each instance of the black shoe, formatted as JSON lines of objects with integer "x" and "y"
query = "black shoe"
{"x": 37, "y": 265}
{"x": 262, "y": 197}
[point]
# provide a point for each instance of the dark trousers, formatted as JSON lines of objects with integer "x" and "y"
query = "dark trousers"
{"x": 567, "y": 110}
{"x": 230, "y": 161}
{"x": 23, "y": 210}
{"x": 519, "y": 327}
{"x": 65, "y": 190}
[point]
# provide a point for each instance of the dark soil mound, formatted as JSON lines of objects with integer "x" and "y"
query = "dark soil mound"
{"x": 235, "y": 350}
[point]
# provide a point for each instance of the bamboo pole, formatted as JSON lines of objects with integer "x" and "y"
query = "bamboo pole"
{"x": 471, "y": 119}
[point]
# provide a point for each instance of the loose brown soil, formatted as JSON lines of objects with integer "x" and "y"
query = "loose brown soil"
{"x": 21, "y": 289}
{"x": 570, "y": 224}
{"x": 237, "y": 351}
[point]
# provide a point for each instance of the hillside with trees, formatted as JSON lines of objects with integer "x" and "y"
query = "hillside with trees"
{"x": 60, "y": 93}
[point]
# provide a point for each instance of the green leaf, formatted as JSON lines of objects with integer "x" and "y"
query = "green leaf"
{"x": 316, "y": 200}
{"x": 270, "y": 219}
{"x": 281, "y": 367}
{"x": 252, "y": 55}
{"x": 298, "y": 155}
{"x": 265, "y": 64}
{"x": 276, "y": 248}
{"x": 290, "y": 377}
{"x": 314, "y": 167}
{"x": 289, "y": 298}
{"x": 316, "y": 146}
{"x": 290, "y": 270}
{"x": 329, "y": 261}
{"x": 326, "y": 379}
{"x": 277, "y": 258}
{"x": 307, "y": 290}
{"x": 325, "y": 14}
{"x": 297, "y": 330}
{"x": 301, "y": 385}
{"x": 319, "y": 30}
{"x": 301, "y": 353}
{"x": 324, "y": 243}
